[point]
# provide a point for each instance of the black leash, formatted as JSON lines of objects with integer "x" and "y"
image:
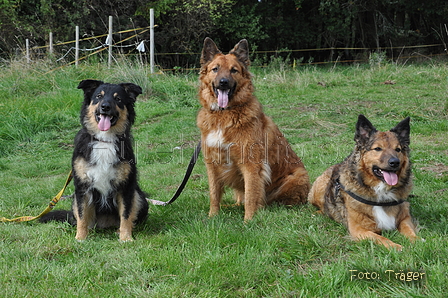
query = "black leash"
{"x": 362, "y": 200}
{"x": 181, "y": 187}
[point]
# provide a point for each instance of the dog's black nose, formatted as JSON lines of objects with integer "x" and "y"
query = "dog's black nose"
{"x": 105, "y": 107}
{"x": 394, "y": 162}
{"x": 224, "y": 83}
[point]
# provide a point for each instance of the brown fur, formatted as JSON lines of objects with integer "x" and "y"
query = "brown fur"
{"x": 388, "y": 151}
{"x": 242, "y": 147}
{"x": 107, "y": 193}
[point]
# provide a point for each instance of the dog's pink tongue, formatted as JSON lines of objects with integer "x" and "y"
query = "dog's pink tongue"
{"x": 390, "y": 178}
{"x": 104, "y": 123}
{"x": 223, "y": 98}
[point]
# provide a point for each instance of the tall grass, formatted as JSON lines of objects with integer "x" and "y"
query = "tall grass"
{"x": 179, "y": 251}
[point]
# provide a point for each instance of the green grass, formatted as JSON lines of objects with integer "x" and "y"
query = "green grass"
{"x": 179, "y": 251}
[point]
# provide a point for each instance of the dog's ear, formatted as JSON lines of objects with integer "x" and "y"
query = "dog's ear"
{"x": 403, "y": 130}
{"x": 364, "y": 129}
{"x": 209, "y": 51}
{"x": 88, "y": 86}
{"x": 132, "y": 90}
{"x": 241, "y": 51}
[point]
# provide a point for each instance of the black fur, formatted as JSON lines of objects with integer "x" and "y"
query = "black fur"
{"x": 59, "y": 215}
{"x": 364, "y": 137}
{"x": 105, "y": 179}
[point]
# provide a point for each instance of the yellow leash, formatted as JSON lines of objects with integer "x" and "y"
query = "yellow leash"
{"x": 53, "y": 202}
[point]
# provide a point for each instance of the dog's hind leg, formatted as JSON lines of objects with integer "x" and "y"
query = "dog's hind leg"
{"x": 293, "y": 190}
{"x": 238, "y": 196}
{"x": 318, "y": 191}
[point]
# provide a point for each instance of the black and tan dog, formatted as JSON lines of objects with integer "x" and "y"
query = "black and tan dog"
{"x": 104, "y": 171}
{"x": 367, "y": 191}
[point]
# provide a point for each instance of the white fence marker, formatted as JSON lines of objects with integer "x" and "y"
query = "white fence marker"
{"x": 50, "y": 50}
{"x": 151, "y": 39}
{"x": 27, "y": 43}
{"x": 77, "y": 45}
{"x": 110, "y": 41}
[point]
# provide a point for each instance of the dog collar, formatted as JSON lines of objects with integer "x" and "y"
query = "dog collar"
{"x": 120, "y": 138}
{"x": 217, "y": 108}
{"x": 362, "y": 200}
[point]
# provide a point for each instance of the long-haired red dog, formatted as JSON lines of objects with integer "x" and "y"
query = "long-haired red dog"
{"x": 243, "y": 148}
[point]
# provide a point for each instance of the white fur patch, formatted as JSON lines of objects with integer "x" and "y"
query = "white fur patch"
{"x": 383, "y": 220}
{"x": 266, "y": 173}
{"x": 384, "y": 193}
{"x": 102, "y": 171}
{"x": 215, "y": 139}
{"x": 106, "y": 136}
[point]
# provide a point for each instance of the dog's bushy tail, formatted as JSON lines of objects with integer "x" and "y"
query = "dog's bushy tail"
{"x": 59, "y": 215}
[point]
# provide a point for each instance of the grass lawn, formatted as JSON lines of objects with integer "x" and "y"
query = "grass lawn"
{"x": 179, "y": 251}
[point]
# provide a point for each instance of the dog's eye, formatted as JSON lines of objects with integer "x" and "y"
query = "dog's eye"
{"x": 377, "y": 149}
{"x": 215, "y": 69}
{"x": 398, "y": 149}
{"x": 118, "y": 99}
{"x": 99, "y": 96}
{"x": 233, "y": 70}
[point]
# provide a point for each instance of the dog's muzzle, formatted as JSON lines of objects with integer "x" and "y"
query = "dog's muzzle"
{"x": 390, "y": 177}
{"x": 223, "y": 92}
{"x": 104, "y": 117}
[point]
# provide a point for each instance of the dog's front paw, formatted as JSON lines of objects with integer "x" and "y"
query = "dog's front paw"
{"x": 414, "y": 239}
{"x": 418, "y": 239}
{"x": 395, "y": 246}
{"x": 81, "y": 236}
{"x": 125, "y": 236}
{"x": 213, "y": 213}
{"x": 126, "y": 240}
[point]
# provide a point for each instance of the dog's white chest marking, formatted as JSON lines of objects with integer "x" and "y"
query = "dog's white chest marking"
{"x": 383, "y": 220}
{"x": 215, "y": 139}
{"x": 383, "y": 193}
{"x": 102, "y": 171}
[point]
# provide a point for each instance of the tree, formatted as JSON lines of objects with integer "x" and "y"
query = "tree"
{"x": 267, "y": 24}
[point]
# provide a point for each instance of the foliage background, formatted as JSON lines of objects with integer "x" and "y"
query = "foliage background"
{"x": 267, "y": 24}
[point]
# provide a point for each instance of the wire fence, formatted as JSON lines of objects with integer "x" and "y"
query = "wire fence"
{"x": 136, "y": 45}
{"x": 294, "y": 62}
